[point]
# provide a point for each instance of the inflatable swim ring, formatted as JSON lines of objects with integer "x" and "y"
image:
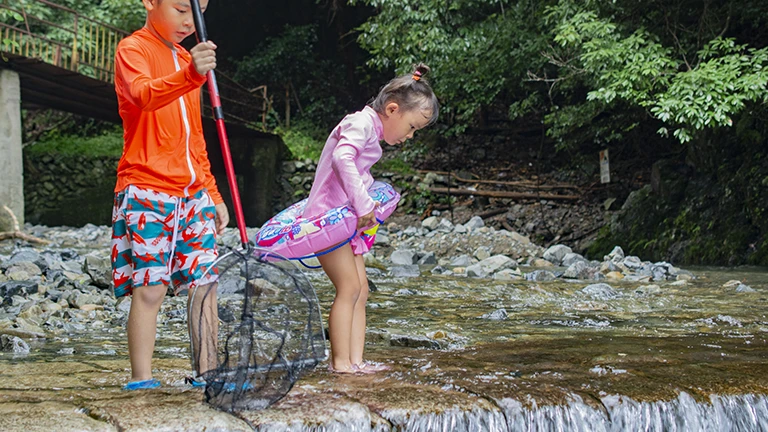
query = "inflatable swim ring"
{"x": 297, "y": 237}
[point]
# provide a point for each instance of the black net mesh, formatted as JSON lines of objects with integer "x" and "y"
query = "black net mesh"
{"x": 267, "y": 334}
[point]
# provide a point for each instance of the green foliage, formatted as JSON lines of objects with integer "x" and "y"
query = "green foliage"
{"x": 109, "y": 143}
{"x": 479, "y": 50}
{"x": 395, "y": 164}
{"x": 292, "y": 60}
{"x": 301, "y": 143}
{"x": 10, "y": 17}
{"x": 687, "y": 95}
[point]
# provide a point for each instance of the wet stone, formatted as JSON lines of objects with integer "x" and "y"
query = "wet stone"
{"x": 497, "y": 315}
{"x": 48, "y": 416}
{"x": 13, "y": 344}
{"x": 540, "y": 276}
{"x": 412, "y": 341}
{"x": 408, "y": 271}
{"x": 600, "y": 291}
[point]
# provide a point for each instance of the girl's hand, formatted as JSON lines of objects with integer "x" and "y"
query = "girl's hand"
{"x": 222, "y": 218}
{"x": 369, "y": 219}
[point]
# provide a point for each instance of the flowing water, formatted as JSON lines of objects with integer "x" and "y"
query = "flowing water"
{"x": 466, "y": 355}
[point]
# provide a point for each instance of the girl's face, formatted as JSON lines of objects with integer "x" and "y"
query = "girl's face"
{"x": 171, "y": 19}
{"x": 400, "y": 125}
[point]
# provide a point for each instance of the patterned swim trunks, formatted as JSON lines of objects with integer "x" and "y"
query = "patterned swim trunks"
{"x": 159, "y": 239}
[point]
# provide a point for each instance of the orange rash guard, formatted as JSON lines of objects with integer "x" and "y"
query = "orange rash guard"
{"x": 158, "y": 95}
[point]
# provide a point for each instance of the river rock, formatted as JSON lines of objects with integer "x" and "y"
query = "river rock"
{"x": 13, "y": 344}
{"x": 600, "y": 291}
{"x": 412, "y": 341}
{"x": 428, "y": 258}
{"x": 646, "y": 290}
{"x": 445, "y": 226}
{"x": 405, "y": 271}
{"x": 474, "y": 223}
{"x": 577, "y": 270}
{"x": 482, "y": 253}
{"x": 508, "y": 275}
{"x": 540, "y": 276}
{"x": 497, "y": 315}
{"x": 99, "y": 268}
{"x": 632, "y": 262}
{"x": 616, "y": 255}
{"x": 430, "y": 223}
{"x": 26, "y": 267}
{"x": 571, "y": 258}
{"x": 556, "y": 253}
{"x": 476, "y": 271}
{"x": 403, "y": 257}
{"x": 13, "y": 288}
{"x": 381, "y": 239}
{"x": 538, "y": 262}
{"x": 461, "y": 261}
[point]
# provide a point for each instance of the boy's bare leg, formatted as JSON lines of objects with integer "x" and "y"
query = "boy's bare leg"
{"x": 203, "y": 323}
{"x": 142, "y": 329}
{"x": 340, "y": 267}
{"x": 357, "y": 340}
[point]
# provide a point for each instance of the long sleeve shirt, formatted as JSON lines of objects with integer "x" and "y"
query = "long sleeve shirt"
{"x": 343, "y": 172}
{"x": 158, "y": 94}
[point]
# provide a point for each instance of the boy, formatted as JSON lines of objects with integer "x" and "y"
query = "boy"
{"x": 167, "y": 208}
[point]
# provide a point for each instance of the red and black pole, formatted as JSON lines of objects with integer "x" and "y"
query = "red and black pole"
{"x": 218, "y": 116}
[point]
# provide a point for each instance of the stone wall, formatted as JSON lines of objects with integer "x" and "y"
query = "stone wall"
{"x": 69, "y": 189}
{"x": 74, "y": 190}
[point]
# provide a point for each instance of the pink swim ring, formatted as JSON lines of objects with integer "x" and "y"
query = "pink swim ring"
{"x": 292, "y": 235}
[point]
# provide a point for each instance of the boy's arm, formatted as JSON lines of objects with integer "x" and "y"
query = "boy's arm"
{"x": 210, "y": 181}
{"x": 145, "y": 92}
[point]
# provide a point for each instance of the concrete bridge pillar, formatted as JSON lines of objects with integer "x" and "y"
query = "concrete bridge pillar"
{"x": 11, "y": 164}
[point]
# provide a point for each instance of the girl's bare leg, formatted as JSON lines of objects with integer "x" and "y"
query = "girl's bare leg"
{"x": 357, "y": 341}
{"x": 341, "y": 268}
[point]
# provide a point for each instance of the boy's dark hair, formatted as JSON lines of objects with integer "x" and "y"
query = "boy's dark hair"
{"x": 409, "y": 91}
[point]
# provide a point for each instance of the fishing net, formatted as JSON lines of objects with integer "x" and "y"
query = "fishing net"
{"x": 268, "y": 332}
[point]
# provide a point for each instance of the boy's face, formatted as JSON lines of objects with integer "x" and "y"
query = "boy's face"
{"x": 172, "y": 19}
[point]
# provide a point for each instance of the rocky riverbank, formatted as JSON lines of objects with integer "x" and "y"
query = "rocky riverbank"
{"x": 61, "y": 288}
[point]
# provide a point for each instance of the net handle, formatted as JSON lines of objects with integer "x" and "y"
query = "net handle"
{"x": 218, "y": 116}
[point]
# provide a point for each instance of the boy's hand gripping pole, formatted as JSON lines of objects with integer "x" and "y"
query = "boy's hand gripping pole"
{"x": 218, "y": 115}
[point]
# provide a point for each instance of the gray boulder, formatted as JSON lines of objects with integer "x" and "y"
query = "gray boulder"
{"x": 405, "y": 271}
{"x": 571, "y": 258}
{"x": 600, "y": 291}
{"x": 556, "y": 253}
{"x": 403, "y": 257}
{"x": 540, "y": 276}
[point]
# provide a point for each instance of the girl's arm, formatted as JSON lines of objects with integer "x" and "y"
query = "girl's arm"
{"x": 352, "y": 140}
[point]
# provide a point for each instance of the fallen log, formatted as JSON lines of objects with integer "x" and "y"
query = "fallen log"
{"x": 503, "y": 194}
{"x": 523, "y": 183}
{"x": 16, "y": 232}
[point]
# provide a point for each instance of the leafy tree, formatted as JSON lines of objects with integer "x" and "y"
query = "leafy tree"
{"x": 687, "y": 93}
{"x": 479, "y": 50}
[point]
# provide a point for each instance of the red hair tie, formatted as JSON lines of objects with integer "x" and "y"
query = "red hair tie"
{"x": 416, "y": 75}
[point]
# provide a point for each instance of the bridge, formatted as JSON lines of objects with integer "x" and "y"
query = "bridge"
{"x": 67, "y": 63}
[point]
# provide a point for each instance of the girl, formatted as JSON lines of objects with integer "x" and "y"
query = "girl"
{"x": 403, "y": 106}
